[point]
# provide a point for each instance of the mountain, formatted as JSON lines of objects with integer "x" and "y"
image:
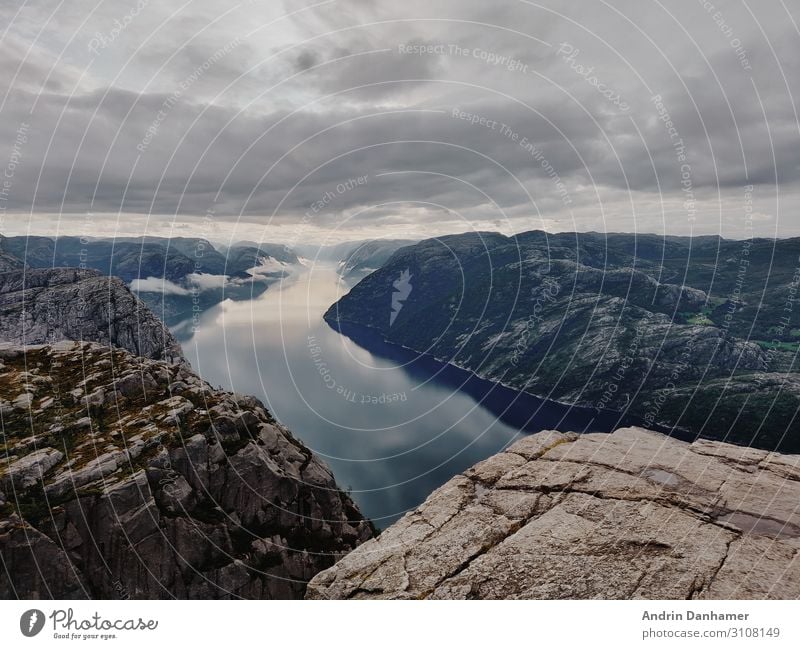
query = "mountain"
{"x": 176, "y": 277}
{"x": 331, "y": 253}
{"x": 249, "y": 254}
{"x": 44, "y": 305}
{"x": 7, "y": 260}
{"x": 126, "y": 259}
{"x": 247, "y": 272}
{"x": 369, "y": 256}
{"x": 628, "y": 515}
{"x": 691, "y": 333}
{"x": 143, "y": 257}
{"x": 126, "y": 477}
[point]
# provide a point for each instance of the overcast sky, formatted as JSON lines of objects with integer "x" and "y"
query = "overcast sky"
{"x": 350, "y": 119}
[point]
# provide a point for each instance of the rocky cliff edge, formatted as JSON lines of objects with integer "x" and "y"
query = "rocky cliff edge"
{"x": 45, "y": 305}
{"x": 124, "y": 476}
{"x": 628, "y": 515}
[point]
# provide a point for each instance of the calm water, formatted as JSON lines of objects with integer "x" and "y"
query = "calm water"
{"x": 392, "y": 427}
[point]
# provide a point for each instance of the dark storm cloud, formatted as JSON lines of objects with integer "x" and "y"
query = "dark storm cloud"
{"x": 531, "y": 122}
{"x": 305, "y": 60}
{"x": 93, "y": 152}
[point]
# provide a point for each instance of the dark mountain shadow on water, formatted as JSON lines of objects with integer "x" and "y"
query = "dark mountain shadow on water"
{"x": 521, "y": 410}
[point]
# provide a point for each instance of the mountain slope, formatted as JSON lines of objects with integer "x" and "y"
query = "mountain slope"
{"x": 7, "y": 260}
{"x": 369, "y": 256}
{"x": 354, "y": 258}
{"x": 177, "y": 277}
{"x": 668, "y": 330}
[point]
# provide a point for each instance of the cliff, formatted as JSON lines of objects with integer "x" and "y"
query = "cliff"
{"x": 628, "y": 515}
{"x": 46, "y": 305}
{"x": 131, "y": 477}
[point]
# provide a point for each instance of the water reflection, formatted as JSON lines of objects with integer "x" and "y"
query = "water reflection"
{"x": 392, "y": 427}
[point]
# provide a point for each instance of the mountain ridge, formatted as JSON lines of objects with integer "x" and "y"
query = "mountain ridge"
{"x": 627, "y": 324}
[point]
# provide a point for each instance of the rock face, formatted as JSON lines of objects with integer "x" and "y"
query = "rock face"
{"x": 628, "y": 515}
{"x": 670, "y": 331}
{"x": 39, "y": 306}
{"x": 131, "y": 477}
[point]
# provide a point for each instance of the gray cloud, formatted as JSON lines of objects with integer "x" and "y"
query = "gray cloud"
{"x": 295, "y": 107}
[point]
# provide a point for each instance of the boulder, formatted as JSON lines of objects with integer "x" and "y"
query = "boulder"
{"x": 28, "y": 470}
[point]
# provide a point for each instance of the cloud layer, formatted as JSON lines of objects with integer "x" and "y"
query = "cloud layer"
{"x": 649, "y": 116}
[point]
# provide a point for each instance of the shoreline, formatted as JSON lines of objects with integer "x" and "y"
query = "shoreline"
{"x": 493, "y": 394}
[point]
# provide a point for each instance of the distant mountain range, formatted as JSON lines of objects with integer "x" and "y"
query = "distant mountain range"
{"x": 181, "y": 276}
{"x": 694, "y": 333}
{"x": 355, "y": 259}
{"x": 174, "y": 277}
{"x": 139, "y": 258}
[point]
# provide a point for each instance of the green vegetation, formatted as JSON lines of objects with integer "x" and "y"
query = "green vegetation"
{"x": 784, "y": 346}
{"x": 701, "y": 318}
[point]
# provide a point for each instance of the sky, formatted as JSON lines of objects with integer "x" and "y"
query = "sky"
{"x": 340, "y": 120}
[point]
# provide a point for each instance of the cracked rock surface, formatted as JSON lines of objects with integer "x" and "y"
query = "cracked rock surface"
{"x": 123, "y": 476}
{"x": 627, "y": 515}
